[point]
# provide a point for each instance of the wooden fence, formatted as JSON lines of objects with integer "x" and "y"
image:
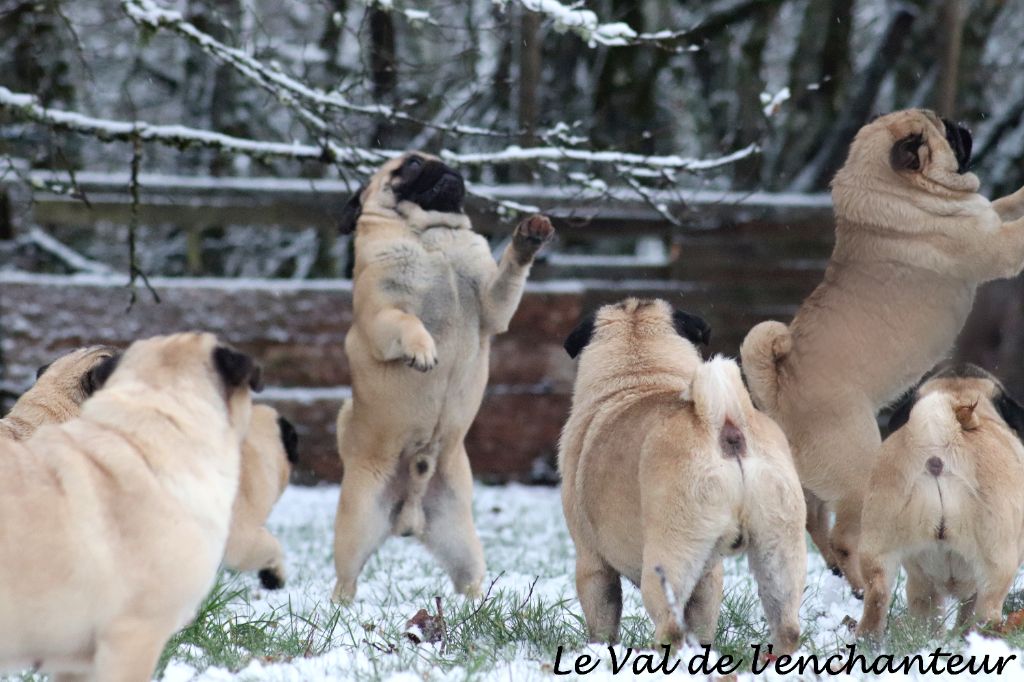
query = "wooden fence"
{"x": 736, "y": 260}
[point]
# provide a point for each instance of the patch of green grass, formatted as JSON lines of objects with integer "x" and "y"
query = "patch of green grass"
{"x": 482, "y": 634}
{"x": 223, "y": 635}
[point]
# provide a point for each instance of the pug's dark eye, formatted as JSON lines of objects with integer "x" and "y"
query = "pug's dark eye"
{"x": 904, "y": 154}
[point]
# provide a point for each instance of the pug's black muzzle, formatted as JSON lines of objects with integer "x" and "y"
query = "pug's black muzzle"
{"x": 431, "y": 185}
{"x": 959, "y": 139}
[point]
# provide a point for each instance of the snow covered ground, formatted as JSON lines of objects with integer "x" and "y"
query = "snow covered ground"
{"x": 532, "y": 608}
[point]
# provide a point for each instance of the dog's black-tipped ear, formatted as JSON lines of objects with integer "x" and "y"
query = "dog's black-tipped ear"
{"x": 42, "y": 370}
{"x": 95, "y": 378}
{"x": 691, "y": 327}
{"x": 351, "y": 212}
{"x": 1011, "y": 412}
{"x": 290, "y": 439}
{"x": 903, "y": 155}
{"x": 901, "y": 410}
{"x": 237, "y": 369}
{"x": 580, "y": 336}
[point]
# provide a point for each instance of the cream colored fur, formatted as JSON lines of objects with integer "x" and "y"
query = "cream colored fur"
{"x": 957, "y": 534}
{"x": 649, "y": 492}
{"x": 114, "y": 523}
{"x": 911, "y": 249}
{"x": 263, "y": 477}
{"x": 427, "y": 298}
{"x": 56, "y": 396}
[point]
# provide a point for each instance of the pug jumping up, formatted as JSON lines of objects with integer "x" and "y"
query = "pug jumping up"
{"x": 427, "y": 298}
{"x": 914, "y": 240}
{"x": 114, "y": 523}
{"x": 667, "y": 467}
{"x": 58, "y": 393}
{"x": 945, "y": 501}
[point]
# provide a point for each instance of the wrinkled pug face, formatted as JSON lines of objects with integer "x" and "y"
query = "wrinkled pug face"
{"x": 412, "y": 181}
{"x": 77, "y": 374}
{"x": 927, "y": 151}
{"x": 639, "y": 319}
{"x": 194, "y": 362}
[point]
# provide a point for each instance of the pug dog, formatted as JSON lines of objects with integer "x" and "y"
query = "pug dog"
{"x": 427, "y": 297}
{"x": 268, "y": 452}
{"x": 944, "y": 501}
{"x": 60, "y": 389}
{"x": 667, "y": 467}
{"x": 914, "y": 239}
{"x": 114, "y": 523}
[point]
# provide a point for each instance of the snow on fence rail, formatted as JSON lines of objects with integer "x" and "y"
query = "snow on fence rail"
{"x": 737, "y": 259}
{"x": 296, "y": 330}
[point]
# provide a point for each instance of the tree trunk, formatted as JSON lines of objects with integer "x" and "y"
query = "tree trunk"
{"x": 382, "y": 67}
{"x": 830, "y": 156}
{"x": 950, "y": 36}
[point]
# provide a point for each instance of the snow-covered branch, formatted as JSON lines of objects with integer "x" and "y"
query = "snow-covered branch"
{"x": 67, "y": 255}
{"x": 585, "y": 24}
{"x": 635, "y": 164}
{"x": 28, "y": 107}
{"x": 289, "y": 91}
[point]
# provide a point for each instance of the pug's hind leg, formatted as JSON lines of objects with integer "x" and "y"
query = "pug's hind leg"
{"x": 880, "y": 576}
{"x": 449, "y": 533}
{"x": 923, "y": 599}
{"x": 671, "y": 571}
{"x": 819, "y": 523}
{"x": 599, "y": 588}
{"x": 705, "y": 602}
{"x": 398, "y": 335}
{"x": 362, "y": 523}
{"x": 1000, "y": 568}
{"x": 777, "y": 555}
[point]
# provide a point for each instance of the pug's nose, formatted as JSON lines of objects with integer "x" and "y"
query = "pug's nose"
{"x": 451, "y": 184}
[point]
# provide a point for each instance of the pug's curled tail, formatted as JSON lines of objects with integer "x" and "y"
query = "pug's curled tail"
{"x": 722, "y": 403}
{"x": 764, "y": 349}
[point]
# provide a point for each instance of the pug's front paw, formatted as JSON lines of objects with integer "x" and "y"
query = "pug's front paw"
{"x": 530, "y": 236}
{"x": 419, "y": 351}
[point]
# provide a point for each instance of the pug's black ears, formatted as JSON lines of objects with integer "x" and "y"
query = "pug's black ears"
{"x": 96, "y": 377}
{"x": 580, "y": 336}
{"x": 42, "y": 370}
{"x": 289, "y": 438}
{"x": 1011, "y": 412}
{"x": 351, "y": 212}
{"x": 901, "y": 410}
{"x": 691, "y": 327}
{"x": 237, "y": 368}
{"x": 903, "y": 156}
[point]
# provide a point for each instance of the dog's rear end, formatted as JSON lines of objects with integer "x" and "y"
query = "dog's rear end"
{"x": 755, "y": 462}
{"x": 945, "y": 502}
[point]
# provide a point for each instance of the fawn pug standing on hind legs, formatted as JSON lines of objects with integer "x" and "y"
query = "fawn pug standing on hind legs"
{"x": 427, "y": 297}
{"x": 914, "y": 240}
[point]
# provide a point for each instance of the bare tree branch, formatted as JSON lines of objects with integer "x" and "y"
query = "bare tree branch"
{"x": 288, "y": 90}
